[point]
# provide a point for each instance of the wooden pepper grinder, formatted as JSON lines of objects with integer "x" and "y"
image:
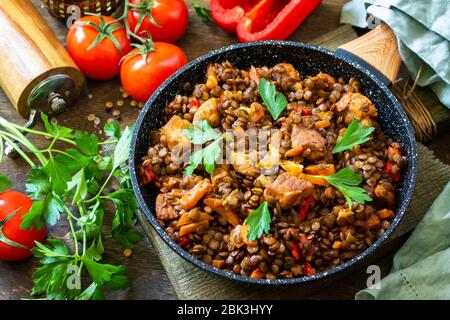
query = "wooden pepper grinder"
{"x": 36, "y": 72}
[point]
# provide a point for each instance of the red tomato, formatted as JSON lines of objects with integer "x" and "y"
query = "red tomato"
{"x": 9, "y": 202}
{"x": 171, "y": 16}
{"x": 102, "y": 61}
{"x": 141, "y": 78}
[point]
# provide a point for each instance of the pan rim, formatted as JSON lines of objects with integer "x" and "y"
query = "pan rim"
{"x": 410, "y": 181}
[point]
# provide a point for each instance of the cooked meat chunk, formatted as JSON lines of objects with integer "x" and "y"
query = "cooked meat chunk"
{"x": 245, "y": 164}
{"x": 310, "y": 139}
{"x": 164, "y": 210}
{"x": 288, "y": 190}
{"x": 173, "y": 133}
{"x": 208, "y": 111}
{"x": 356, "y": 106}
{"x": 219, "y": 173}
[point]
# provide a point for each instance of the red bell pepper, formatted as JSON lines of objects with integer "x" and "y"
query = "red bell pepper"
{"x": 274, "y": 19}
{"x": 184, "y": 241}
{"x": 308, "y": 270}
{"x": 296, "y": 254}
{"x": 255, "y": 20}
{"x": 147, "y": 175}
{"x": 304, "y": 207}
{"x": 227, "y": 13}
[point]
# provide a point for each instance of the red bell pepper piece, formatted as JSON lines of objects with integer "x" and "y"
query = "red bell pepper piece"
{"x": 227, "y": 13}
{"x": 308, "y": 269}
{"x": 304, "y": 111}
{"x": 147, "y": 175}
{"x": 274, "y": 19}
{"x": 304, "y": 208}
{"x": 295, "y": 250}
{"x": 184, "y": 241}
{"x": 195, "y": 102}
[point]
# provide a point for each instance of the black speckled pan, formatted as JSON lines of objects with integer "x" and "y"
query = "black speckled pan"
{"x": 309, "y": 60}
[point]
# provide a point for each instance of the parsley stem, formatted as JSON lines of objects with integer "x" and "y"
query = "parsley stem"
{"x": 38, "y": 133}
{"x": 100, "y": 191}
{"x": 20, "y": 151}
{"x": 72, "y": 229}
{"x": 14, "y": 134}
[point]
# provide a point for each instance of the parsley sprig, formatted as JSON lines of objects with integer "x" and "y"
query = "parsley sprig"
{"x": 347, "y": 182}
{"x": 356, "y": 133}
{"x": 275, "y": 101}
{"x": 258, "y": 222}
{"x": 200, "y": 134}
{"x": 74, "y": 182}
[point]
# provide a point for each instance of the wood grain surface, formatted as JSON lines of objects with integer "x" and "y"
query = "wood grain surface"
{"x": 149, "y": 280}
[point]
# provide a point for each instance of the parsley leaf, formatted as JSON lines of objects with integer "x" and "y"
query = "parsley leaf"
{"x": 258, "y": 222}
{"x": 37, "y": 184}
{"x": 123, "y": 147}
{"x": 356, "y": 133}
{"x": 58, "y": 174}
{"x": 347, "y": 182}
{"x": 199, "y": 135}
{"x": 87, "y": 143}
{"x": 56, "y": 130}
{"x": 51, "y": 276}
{"x": 78, "y": 183}
{"x": 203, "y": 12}
{"x": 4, "y": 183}
{"x": 275, "y": 101}
{"x": 106, "y": 273}
{"x": 43, "y": 211}
{"x": 112, "y": 129}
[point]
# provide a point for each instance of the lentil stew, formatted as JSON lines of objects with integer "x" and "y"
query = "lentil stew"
{"x": 312, "y": 228}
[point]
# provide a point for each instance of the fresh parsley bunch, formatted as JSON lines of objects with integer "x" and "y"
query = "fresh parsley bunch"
{"x": 75, "y": 182}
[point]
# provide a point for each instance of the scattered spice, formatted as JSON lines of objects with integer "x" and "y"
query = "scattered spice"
{"x": 125, "y": 95}
{"x": 109, "y": 104}
{"x": 127, "y": 252}
{"x": 120, "y": 103}
{"x": 133, "y": 103}
{"x": 116, "y": 113}
{"x": 91, "y": 117}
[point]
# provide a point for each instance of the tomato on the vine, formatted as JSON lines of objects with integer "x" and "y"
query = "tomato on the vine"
{"x": 144, "y": 69}
{"x": 165, "y": 20}
{"x": 15, "y": 243}
{"x": 97, "y": 46}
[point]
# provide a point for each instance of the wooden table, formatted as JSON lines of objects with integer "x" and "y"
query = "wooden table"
{"x": 149, "y": 280}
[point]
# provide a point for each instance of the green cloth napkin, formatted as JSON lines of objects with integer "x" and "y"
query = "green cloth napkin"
{"x": 423, "y": 36}
{"x": 421, "y": 268}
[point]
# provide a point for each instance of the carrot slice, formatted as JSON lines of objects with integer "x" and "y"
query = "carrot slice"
{"x": 314, "y": 179}
{"x": 217, "y": 206}
{"x": 190, "y": 199}
{"x": 257, "y": 274}
{"x": 323, "y": 169}
{"x": 184, "y": 220}
{"x": 192, "y": 227}
{"x": 385, "y": 214}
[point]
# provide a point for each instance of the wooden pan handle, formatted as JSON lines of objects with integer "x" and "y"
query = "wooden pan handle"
{"x": 30, "y": 53}
{"x": 378, "y": 48}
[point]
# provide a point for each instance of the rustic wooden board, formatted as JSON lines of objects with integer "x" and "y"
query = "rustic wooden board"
{"x": 148, "y": 277}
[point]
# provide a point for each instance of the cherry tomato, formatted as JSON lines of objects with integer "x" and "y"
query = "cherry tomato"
{"x": 141, "y": 78}
{"x": 10, "y": 231}
{"x": 171, "y": 16}
{"x": 102, "y": 61}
